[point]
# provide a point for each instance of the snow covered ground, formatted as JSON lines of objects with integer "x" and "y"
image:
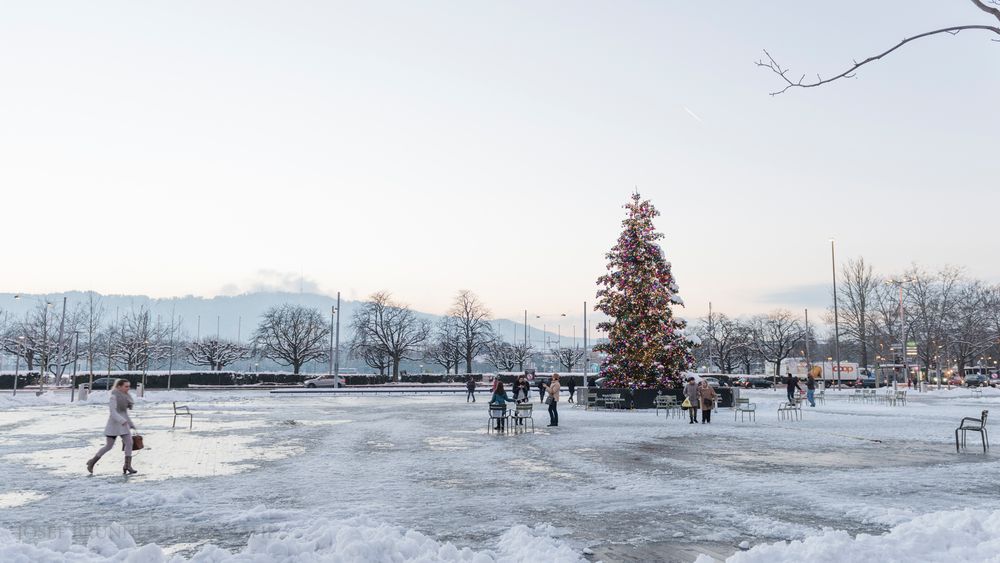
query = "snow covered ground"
{"x": 265, "y": 477}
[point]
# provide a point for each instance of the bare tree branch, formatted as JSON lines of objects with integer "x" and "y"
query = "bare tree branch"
{"x": 776, "y": 68}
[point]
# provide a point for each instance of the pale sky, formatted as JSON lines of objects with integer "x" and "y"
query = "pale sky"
{"x": 422, "y": 147}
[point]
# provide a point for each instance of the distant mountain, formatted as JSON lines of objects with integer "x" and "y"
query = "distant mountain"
{"x": 235, "y": 317}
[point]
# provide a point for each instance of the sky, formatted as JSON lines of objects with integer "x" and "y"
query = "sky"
{"x": 425, "y": 147}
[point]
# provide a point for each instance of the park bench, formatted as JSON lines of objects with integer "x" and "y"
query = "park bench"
{"x": 498, "y": 418}
{"x": 182, "y": 410}
{"x": 522, "y": 414}
{"x": 744, "y": 407}
{"x": 970, "y": 424}
{"x": 790, "y": 411}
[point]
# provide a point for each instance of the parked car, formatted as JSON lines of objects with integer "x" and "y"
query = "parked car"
{"x": 976, "y": 380}
{"x": 712, "y": 381}
{"x": 103, "y": 383}
{"x": 325, "y": 381}
{"x": 756, "y": 382}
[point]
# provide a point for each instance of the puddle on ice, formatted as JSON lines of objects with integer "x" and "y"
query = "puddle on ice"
{"x": 447, "y": 443}
{"x": 375, "y": 445}
{"x": 19, "y": 498}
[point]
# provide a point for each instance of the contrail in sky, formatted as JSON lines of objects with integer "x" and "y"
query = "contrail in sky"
{"x": 692, "y": 114}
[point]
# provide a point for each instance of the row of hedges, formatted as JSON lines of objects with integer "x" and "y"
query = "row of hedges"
{"x": 7, "y": 381}
{"x": 186, "y": 379}
{"x": 564, "y": 380}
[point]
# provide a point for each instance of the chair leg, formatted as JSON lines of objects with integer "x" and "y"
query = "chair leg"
{"x": 174, "y": 425}
{"x": 190, "y": 422}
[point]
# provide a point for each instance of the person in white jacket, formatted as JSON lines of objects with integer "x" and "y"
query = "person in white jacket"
{"x": 119, "y": 424}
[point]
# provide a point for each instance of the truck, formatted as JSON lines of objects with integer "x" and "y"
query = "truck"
{"x": 849, "y": 372}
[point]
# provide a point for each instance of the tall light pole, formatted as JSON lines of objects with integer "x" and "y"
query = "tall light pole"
{"x": 336, "y": 348}
{"x": 836, "y": 312}
{"x": 902, "y": 329}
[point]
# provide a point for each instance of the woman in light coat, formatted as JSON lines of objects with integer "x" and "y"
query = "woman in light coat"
{"x": 691, "y": 394}
{"x": 553, "y": 400}
{"x": 119, "y": 424}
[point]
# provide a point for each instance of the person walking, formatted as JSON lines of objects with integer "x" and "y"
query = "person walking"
{"x": 706, "y": 396}
{"x": 691, "y": 394}
{"x": 553, "y": 400}
{"x": 572, "y": 389}
{"x": 470, "y": 390}
{"x": 119, "y": 425}
{"x": 792, "y": 385}
{"x": 811, "y": 390}
{"x": 541, "y": 391}
{"x": 500, "y": 399}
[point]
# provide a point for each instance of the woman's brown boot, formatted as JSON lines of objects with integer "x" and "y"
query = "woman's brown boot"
{"x": 128, "y": 466}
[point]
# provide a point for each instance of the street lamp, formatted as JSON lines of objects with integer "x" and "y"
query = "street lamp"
{"x": 902, "y": 327}
{"x": 836, "y": 315}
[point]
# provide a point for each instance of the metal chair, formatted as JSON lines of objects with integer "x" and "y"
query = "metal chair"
{"x": 665, "y": 402}
{"x": 522, "y": 414}
{"x": 744, "y": 407}
{"x": 183, "y": 410}
{"x": 790, "y": 411}
{"x": 498, "y": 419}
{"x": 970, "y": 424}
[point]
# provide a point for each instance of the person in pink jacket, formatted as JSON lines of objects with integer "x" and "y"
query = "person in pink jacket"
{"x": 553, "y": 400}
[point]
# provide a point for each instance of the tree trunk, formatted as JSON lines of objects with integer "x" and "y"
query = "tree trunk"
{"x": 296, "y": 366}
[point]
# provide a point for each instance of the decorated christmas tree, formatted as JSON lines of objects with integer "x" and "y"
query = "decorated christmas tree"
{"x": 646, "y": 345}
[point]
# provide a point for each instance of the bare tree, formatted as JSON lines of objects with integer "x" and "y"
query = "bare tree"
{"x": 970, "y": 334}
{"x": 745, "y": 348}
{"x": 721, "y": 337}
{"x": 391, "y": 327}
{"x": 500, "y": 355}
{"x": 991, "y": 7}
{"x": 372, "y": 355}
{"x": 522, "y": 354}
{"x": 929, "y": 303}
{"x": 776, "y": 336}
{"x": 568, "y": 357}
{"x": 445, "y": 349}
{"x": 38, "y": 340}
{"x": 858, "y": 294}
{"x": 475, "y": 330}
{"x": 136, "y": 341}
{"x": 292, "y": 335}
{"x": 214, "y": 352}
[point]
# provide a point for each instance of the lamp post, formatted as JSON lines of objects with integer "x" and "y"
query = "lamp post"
{"x": 836, "y": 315}
{"x": 902, "y": 329}
{"x": 17, "y": 362}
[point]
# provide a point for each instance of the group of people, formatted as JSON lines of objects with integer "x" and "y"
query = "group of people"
{"x": 699, "y": 396}
{"x": 792, "y": 386}
{"x": 548, "y": 393}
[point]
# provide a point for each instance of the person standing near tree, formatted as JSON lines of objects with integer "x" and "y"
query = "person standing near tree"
{"x": 119, "y": 424}
{"x": 691, "y": 394}
{"x": 706, "y": 396}
{"x": 572, "y": 388}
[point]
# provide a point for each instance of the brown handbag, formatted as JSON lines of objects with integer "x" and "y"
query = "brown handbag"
{"x": 136, "y": 442}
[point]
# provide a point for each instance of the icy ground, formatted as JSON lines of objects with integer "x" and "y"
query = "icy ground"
{"x": 321, "y": 478}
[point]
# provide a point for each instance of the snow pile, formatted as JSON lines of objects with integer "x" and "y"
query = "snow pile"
{"x": 954, "y": 536}
{"x": 357, "y": 539}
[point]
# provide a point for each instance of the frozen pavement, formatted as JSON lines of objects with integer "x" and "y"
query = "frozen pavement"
{"x": 342, "y": 478}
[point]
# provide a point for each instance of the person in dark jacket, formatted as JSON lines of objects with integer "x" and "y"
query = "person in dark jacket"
{"x": 500, "y": 398}
{"x": 811, "y": 390}
{"x": 541, "y": 391}
{"x": 470, "y": 390}
{"x": 792, "y": 384}
{"x": 571, "y": 385}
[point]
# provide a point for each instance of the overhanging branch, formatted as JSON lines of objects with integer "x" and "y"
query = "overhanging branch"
{"x": 773, "y": 65}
